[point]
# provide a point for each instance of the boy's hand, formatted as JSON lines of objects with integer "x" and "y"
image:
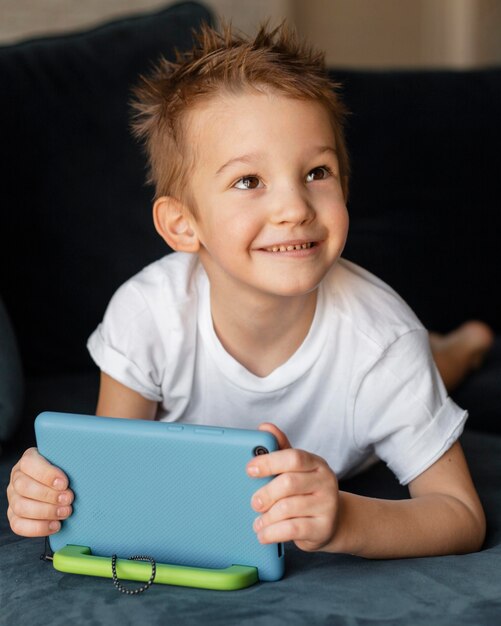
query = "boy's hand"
{"x": 301, "y": 503}
{"x": 38, "y": 496}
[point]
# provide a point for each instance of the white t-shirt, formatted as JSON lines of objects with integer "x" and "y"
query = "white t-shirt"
{"x": 363, "y": 382}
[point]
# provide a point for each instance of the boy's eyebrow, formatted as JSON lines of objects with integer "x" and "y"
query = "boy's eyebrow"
{"x": 322, "y": 149}
{"x": 253, "y": 156}
{"x": 244, "y": 158}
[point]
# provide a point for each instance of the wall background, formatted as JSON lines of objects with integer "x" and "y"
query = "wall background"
{"x": 404, "y": 33}
{"x": 354, "y": 33}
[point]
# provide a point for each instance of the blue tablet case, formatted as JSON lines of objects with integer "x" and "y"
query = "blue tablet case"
{"x": 176, "y": 492}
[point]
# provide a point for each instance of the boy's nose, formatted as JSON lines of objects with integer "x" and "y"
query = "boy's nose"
{"x": 292, "y": 206}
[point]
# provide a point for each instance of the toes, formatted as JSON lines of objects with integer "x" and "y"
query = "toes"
{"x": 478, "y": 335}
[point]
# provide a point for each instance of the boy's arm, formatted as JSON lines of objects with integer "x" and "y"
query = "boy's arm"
{"x": 303, "y": 504}
{"x": 443, "y": 516}
{"x": 117, "y": 400}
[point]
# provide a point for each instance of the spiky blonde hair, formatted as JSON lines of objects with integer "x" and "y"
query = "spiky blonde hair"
{"x": 218, "y": 63}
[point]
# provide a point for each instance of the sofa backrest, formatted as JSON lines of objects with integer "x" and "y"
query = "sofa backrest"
{"x": 425, "y": 197}
{"x": 75, "y": 212}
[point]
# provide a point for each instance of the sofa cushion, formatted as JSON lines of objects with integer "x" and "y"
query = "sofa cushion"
{"x": 11, "y": 378}
{"x": 76, "y": 215}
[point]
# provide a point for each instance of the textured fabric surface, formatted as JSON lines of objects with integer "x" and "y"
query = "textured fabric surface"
{"x": 316, "y": 589}
{"x": 11, "y": 378}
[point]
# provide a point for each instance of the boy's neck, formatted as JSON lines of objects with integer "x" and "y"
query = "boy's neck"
{"x": 262, "y": 333}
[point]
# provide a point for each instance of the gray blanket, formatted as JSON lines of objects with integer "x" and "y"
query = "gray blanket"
{"x": 317, "y": 588}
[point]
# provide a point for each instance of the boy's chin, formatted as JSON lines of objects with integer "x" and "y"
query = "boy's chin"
{"x": 294, "y": 286}
{"x": 295, "y": 290}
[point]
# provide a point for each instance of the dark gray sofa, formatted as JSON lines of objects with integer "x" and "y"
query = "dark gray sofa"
{"x": 75, "y": 224}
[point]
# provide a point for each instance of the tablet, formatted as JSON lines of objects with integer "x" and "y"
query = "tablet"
{"x": 176, "y": 492}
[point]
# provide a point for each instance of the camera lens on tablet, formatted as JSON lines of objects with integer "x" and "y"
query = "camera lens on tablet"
{"x": 258, "y": 450}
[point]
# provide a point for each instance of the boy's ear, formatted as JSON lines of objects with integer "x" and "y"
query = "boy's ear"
{"x": 172, "y": 221}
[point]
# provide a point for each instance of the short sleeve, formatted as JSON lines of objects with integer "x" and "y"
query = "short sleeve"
{"x": 127, "y": 345}
{"x": 402, "y": 410}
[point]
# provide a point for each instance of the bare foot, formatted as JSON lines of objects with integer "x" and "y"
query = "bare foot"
{"x": 461, "y": 351}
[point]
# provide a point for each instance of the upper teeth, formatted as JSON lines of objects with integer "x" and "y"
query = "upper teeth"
{"x": 299, "y": 246}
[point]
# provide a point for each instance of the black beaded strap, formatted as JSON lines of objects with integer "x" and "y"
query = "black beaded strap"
{"x": 123, "y": 589}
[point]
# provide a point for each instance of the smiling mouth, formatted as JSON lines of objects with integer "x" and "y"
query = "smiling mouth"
{"x": 290, "y": 247}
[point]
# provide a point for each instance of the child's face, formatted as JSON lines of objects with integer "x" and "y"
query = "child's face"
{"x": 270, "y": 214}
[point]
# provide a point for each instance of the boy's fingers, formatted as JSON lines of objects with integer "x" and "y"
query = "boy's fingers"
{"x": 34, "y": 510}
{"x": 32, "y": 528}
{"x": 281, "y": 488}
{"x": 280, "y": 436}
{"x": 288, "y": 508}
{"x": 296, "y": 529}
{"x": 35, "y": 465}
{"x": 28, "y": 487}
{"x": 282, "y": 461}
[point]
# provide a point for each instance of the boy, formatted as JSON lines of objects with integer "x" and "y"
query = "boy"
{"x": 258, "y": 318}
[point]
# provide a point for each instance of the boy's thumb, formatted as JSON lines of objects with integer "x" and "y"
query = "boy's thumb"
{"x": 280, "y": 436}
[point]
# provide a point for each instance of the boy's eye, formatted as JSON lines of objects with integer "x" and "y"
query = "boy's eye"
{"x": 247, "y": 182}
{"x": 318, "y": 173}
